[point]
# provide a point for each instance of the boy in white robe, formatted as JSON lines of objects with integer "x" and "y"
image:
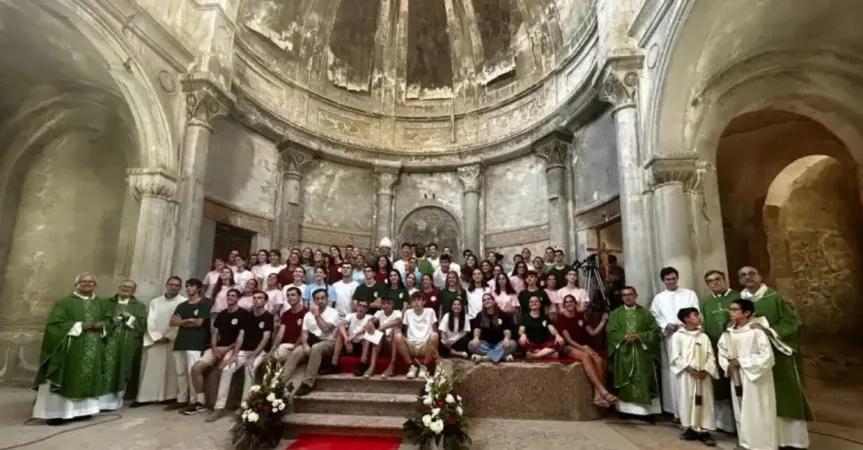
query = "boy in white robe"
{"x": 746, "y": 356}
{"x": 693, "y": 362}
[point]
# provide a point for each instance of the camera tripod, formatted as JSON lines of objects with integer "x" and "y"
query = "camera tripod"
{"x": 594, "y": 284}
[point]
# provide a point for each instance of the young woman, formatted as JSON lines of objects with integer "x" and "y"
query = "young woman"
{"x": 452, "y": 289}
{"x": 411, "y": 285}
{"x": 275, "y": 299}
{"x": 454, "y": 333}
{"x": 537, "y": 334}
{"x": 213, "y": 276}
{"x": 492, "y": 334}
{"x": 334, "y": 264}
{"x": 539, "y": 268}
{"x": 246, "y": 301}
{"x": 556, "y": 302}
{"x": 220, "y": 290}
{"x": 519, "y": 277}
{"x": 487, "y": 270}
{"x": 298, "y": 280}
{"x": 318, "y": 260}
{"x": 383, "y": 272}
{"x": 572, "y": 325}
{"x": 495, "y": 271}
{"x": 467, "y": 269}
{"x": 475, "y": 291}
{"x": 396, "y": 291}
{"x": 431, "y": 295}
{"x": 263, "y": 257}
{"x": 504, "y": 295}
{"x": 319, "y": 281}
{"x": 306, "y": 257}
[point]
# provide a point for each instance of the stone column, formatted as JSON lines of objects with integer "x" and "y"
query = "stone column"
{"x": 470, "y": 177}
{"x": 708, "y": 240}
{"x": 204, "y": 103}
{"x": 386, "y": 177}
{"x": 154, "y": 190}
{"x": 674, "y": 177}
{"x": 619, "y": 88}
{"x": 554, "y": 150}
{"x": 294, "y": 162}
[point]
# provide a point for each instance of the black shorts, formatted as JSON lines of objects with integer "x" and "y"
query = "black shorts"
{"x": 356, "y": 351}
{"x": 459, "y": 346}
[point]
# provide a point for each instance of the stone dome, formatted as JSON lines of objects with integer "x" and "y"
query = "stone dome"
{"x": 414, "y": 77}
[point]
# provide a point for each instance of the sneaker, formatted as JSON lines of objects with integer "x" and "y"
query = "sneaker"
{"x": 424, "y": 373}
{"x": 193, "y": 409}
{"x": 175, "y": 406}
{"x": 361, "y": 369}
{"x": 476, "y": 358}
{"x": 369, "y": 372}
{"x": 215, "y": 415}
{"x": 412, "y": 372}
{"x": 509, "y": 358}
{"x": 388, "y": 373}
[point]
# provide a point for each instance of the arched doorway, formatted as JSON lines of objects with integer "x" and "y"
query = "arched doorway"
{"x": 791, "y": 207}
{"x": 429, "y": 224}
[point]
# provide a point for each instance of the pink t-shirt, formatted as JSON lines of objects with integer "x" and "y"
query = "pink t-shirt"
{"x": 506, "y": 302}
{"x": 553, "y": 297}
{"x": 210, "y": 280}
{"x": 517, "y": 283}
{"x": 579, "y": 294}
{"x": 220, "y": 302}
{"x": 275, "y": 301}
{"x": 246, "y": 302}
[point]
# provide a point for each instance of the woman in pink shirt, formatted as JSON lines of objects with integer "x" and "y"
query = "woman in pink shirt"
{"x": 263, "y": 257}
{"x": 556, "y": 306}
{"x": 213, "y": 276}
{"x": 519, "y": 275}
{"x": 275, "y": 298}
{"x": 220, "y": 290}
{"x": 246, "y": 301}
{"x": 504, "y": 295}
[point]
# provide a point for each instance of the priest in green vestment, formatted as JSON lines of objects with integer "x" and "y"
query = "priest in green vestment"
{"x": 792, "y": 408}
{"x": 123, "y": 345}
{"x": 633, "y": 348}
{"x": 714, "y": 311}
{"x": 69, "y": 379}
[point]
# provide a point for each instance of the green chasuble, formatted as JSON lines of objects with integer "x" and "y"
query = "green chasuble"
{"x": 124, "y": 343}
{"x": 788, "y": 370}
{"x": 715, "y": 315}
{"x": 632, "y": 364}
{"x": 73, "y": 364}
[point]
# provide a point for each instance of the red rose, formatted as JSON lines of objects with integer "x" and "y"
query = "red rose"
{"x": 438, "y": 403}
{"x": 451, "y": 421}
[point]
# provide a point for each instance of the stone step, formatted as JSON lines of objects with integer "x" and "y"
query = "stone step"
{"x": 344, "y": 425}
{"x": 376, "y": 384}
{"x": 355, "y": 404}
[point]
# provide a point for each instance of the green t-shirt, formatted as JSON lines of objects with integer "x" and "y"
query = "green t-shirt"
{"x": 524, "y": 299}
{"x": 425, "y": 268}
{"x": 536, "y": 328}
{"x": 189, "y": 338}
{"x": 369, "y": 293}
{"x": 559, "y": 274}
{"x": 400, "y": 297}
{"x": 447, "y": 296}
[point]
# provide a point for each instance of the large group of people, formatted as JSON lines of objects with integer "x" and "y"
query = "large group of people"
{"x": 729, "y": 361}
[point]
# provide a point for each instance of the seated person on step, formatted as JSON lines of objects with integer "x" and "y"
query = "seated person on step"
{"x": 320, "y": 326}
{"x": 536, "y": 334}
{"x": 454, "y": 331}
{"x": 287, "y": 346}
{"x": 350, "y": 337}
{"x": 388, "y": 321}
{"x": 419, "y": 339}
{"x": 492, "y": 333}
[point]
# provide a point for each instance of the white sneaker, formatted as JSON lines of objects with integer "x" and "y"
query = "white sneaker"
{"x": 424, "y": 373}
{"x": 412, "y": 372}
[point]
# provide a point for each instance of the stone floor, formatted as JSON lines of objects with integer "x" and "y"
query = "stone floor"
{"x": 149, "y": 428}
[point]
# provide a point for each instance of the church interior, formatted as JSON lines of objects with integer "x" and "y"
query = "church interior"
{"x": 141, "y": 139}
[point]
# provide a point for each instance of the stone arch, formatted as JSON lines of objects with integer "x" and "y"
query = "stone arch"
{"x": 431, "y": 223}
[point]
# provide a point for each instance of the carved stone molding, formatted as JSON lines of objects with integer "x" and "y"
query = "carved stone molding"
{"x": 295, "y": 161}
{"x": 554, "y": 148}
{"x": 516, "y": 236}
{"x": 223, "y": 212}
{"x": 151, "y": 182}
{"x": 204, "y": 101}
{"x": 386, "y": 178}
{"x": 685, "y": 170}
{"x": 470, "y": 177}
{"x": 619, "y": 81}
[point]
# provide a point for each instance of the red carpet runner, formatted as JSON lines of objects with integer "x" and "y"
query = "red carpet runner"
{"x": 326, "y": 442}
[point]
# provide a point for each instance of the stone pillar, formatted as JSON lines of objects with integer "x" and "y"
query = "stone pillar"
{"x": 204, "y": 103}
{"x": 470, "y": 177}
{"x": 674, "y": 178}
{"x": 708, "y": 240}
{"x": 619, "y": 88}
{"x": 387, "y": 177}
{"x": 294, "y": 162}
{"x": 554, "y": 150}
{"x": 154, "y": 191}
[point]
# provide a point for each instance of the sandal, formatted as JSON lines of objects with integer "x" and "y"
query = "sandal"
{"x": 388, "y": 373}
{"x": 609, "y": 397}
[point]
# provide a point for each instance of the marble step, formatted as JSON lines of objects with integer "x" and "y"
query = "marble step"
{"x": 340, "y": 424}
{"x": 376, "y": 384}
{"x": 356, "y": 404}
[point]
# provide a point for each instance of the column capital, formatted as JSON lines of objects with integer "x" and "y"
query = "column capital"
{"x": 151, "y": 182}
{"x": 387, "y": 176}
{"x": 618, "y": 84}
{"x": 294, "y": 161}
{"x": 554, "y": 148}
{"x": 205, "y": 101}
{"x": 683, "y": 169}
{"x": 469, "y": 177}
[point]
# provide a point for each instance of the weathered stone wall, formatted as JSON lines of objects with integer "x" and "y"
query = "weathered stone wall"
{"x": 516, "y": 206}
{"x": 594, "y": 162}
{"x": 338, "y": 204}
{"x": 428, "y": 208}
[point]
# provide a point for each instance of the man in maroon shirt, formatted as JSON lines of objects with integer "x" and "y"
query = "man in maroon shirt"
{"x": 286, "y": 347}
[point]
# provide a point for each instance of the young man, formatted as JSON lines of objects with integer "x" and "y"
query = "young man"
{"x": 388, "y": 321}
{"x": 633, "y": 346}
{"x": 320, "y": 326}
{"x": 664, "y": 309}
{"x": 445, "y": 266}
{"x": 344, "y": 290}
{"x": 694, "y": 364}
{"x": 424, "y": 265}
{"x": 287, "y": 345}
{"x": 558, "y": 268}
{"x": 241, "y": 275}
{"x": 432, "y": 256}
{"x": 401, "y": 264}
{"x": 746, "y": 357}
{"x": 714, "y": 307}
{"x": 421, "y": 339}
{"x": 158, "y": 382}
{"x": 532, "y": 289}
{"x": 226, "y": 340}
{"x": 350, "y": 338}
{"x": 122, "y": 345}
{"x": 370, "y": 290}
{"x": 256, "y": 339}
{"x": 192, "y": 320}
{"x": 571, "y": 288}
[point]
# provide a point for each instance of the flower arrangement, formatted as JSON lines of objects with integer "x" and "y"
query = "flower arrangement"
{"x": 439, "y": 420}
{"x": 260, "y": 424}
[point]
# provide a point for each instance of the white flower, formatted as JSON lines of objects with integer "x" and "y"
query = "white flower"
{"x": 449, "y": 398}
{"x": 426, "y": 420}
{"x": 427, "y": 400}
{"x": 271, "y": 398}
{"x": 254, "y": 388}
{"x": 281, "y": 406}
{"x": 274, "y": 384}
{"x": 436, "y": 426}
{"x": 252, "y": 417}
{"x": 245, "y": 414}
{"x": 244, "y": 405}
{"x": 459, "y": 410}
{"x": 458, "y": 397}
{"x": 435, "y": 412}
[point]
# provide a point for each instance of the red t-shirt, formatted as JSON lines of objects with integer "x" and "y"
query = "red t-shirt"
{"x": 576, "y": 326}
{"x": 432, "y": 299}
{"x": 293, "y": 323}
{"x": 286, "y": 276}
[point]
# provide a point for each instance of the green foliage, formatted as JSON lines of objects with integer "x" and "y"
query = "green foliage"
{"x": 439, "y": 416}
{"x": 260, "y": 426}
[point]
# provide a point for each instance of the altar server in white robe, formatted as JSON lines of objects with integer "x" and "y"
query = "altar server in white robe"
{"x": 664, "y": 309}
{"x": 158, "y": 381}
{"x": 694, "y": 364}
{"x": 746, "y": 356}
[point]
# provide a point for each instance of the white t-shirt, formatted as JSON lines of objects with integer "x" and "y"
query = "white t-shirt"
{"x": 344, "y": 297}
{"x": 384, "y": 320}
{"x": 439, "y": 277}
{"x": 420, "y": 326}
{"x": 474, "y": 301}
{"x": 267, "y": 269}
{"x": 450, "y": 337}
{"x": 330, "y": 315}
{"x": 353, "y": 325}
{"x": 241, "y": 278}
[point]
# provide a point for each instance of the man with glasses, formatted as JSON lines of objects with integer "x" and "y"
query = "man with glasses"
{"x": 714, "y": 311}
{"x": 123, "y": 345}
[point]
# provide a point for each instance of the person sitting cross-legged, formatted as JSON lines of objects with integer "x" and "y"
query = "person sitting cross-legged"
{"x": 320, "y": 326}
{"x": 388, "y": 321}
{"x": 537, "y": 334}
{"x": 454, "y": 331}
{"x": 420, "y": 340}
{"x": 350, "y": 337}
{"x": 492, "y": 333}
